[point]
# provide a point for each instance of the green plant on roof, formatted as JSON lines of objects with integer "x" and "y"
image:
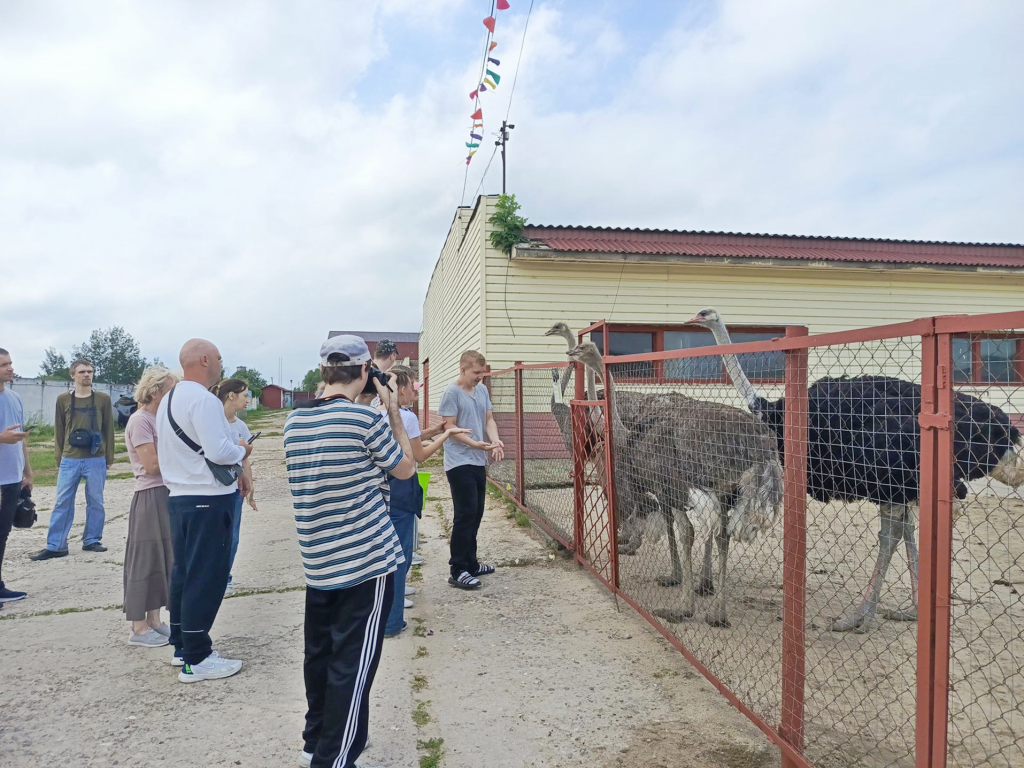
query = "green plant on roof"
{"x": 507, "y": 225}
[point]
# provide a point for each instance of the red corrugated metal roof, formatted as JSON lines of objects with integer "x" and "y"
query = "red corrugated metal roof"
{"x": 660, "y": 242}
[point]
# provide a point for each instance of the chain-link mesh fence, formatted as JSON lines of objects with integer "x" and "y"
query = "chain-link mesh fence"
{"x": 803, "y": 605}
{"x": 502, "y": 389}
{"x": 986, "y": 644}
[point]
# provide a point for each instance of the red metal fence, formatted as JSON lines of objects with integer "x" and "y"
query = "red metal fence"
{"x": 856, "y": 588}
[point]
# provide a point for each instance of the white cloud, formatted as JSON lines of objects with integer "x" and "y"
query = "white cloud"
{"x": 218, "y": 169}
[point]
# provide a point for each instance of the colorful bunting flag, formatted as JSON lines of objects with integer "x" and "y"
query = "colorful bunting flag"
{"x": 494, "y": 76}
{"x": 483, "y": 86}
{"x": 493, "y": 46}
{"x": 495, "y": 62}
{"x": 472, "y": 145}
{"x": 478, "y": 115}
{"x": 489, "y": 83}
{"x": 473, "y": 95}
{"x": 489, "y": 23}
{"x": 476, "y": 136}
{"x": 503, "y": 5}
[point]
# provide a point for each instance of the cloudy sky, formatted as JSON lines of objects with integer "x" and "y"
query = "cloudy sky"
{"x": 261, "y": 172}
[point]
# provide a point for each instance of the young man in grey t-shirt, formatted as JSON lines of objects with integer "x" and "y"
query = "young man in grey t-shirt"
{"x": 467, "y": 404}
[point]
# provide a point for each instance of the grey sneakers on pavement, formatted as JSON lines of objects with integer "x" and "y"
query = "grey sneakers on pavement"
{"x": 148, "y": 639}
{"x": 213, "y": 667}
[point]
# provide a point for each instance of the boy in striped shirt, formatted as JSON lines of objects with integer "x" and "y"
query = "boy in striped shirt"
{"x": 339, "y": 455}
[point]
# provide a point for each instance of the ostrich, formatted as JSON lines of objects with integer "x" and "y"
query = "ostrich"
{"x": 691, "y": 457}
{"x": 864, "y": 443}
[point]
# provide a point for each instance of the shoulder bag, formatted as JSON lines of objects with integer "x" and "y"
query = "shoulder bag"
{"x": 222, "y": 473}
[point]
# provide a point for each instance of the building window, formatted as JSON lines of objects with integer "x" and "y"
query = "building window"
{"x": 980, "y": 359}
{"x": 760, "y": 367}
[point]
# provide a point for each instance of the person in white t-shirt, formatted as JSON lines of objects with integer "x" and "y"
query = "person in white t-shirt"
{"x": 407, "y": 495}
{"x": 192, "y": 430}
{"x": 234, "y": 393}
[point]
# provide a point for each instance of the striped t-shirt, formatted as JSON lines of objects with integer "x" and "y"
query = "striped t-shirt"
{"x": 338, "y": 456}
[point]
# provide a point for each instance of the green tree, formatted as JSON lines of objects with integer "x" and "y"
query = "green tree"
{"x": 252, "y": 377}
{"x": 507, "y": 225}
{"x": 114, "y": 354}
{"x": 55, "y": 366}
{"x": 311, "y": 380}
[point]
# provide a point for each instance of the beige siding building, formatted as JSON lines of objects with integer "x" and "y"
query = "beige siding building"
{"x": 647, "y": 284}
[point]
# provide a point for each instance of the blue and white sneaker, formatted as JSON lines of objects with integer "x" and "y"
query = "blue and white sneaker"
{"x": 213, "y": 667}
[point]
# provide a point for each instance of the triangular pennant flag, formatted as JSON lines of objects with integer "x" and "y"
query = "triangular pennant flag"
{"x": 476, "y": 136}
{"x": 468, "y": 159}
{"x": 483, "y": 86}
{"x": 489, "y": 23}
{"x": 478, "y": 125}
{"x": 503, "y": 5}
{"x": 478, "y": 115}
{"x": 489, "y": 83}
{"x": 495, "y": 62}
{"x": 473, "y": 95}
{"x": 472, "y": 146}
{"x": 494, "y": 76}
{"x": 492, "y": 46}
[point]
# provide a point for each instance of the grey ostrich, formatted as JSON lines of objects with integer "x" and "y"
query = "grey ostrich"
{"x": 691, "y": 455}
{"x": 863, "y": 442}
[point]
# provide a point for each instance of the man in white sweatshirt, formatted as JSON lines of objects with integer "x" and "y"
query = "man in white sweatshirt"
{"x": 192, "y": 430}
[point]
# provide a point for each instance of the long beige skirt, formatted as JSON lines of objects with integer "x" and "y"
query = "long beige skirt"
{"x": 148, "y": 556}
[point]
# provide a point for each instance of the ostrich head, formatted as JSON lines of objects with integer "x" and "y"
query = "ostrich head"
{"x": 562, "y": 330}
{"x": 588, "y": 354}
{"x": 707, "y": 317}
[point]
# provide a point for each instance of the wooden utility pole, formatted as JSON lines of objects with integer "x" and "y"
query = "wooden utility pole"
{"x": 505, "y": 128}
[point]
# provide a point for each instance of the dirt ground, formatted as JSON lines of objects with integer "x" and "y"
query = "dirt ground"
{"x": 539, "y": 668}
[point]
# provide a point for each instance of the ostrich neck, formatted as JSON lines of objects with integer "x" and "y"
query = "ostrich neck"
{"x": 732, "y": 365}
{"x": 610, "y": 396}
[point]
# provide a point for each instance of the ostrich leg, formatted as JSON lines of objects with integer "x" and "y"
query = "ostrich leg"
{"x": 893, "y": 517}
{"x": 717, "y": 615}
{"x": 675, "y": 576}
{"x": 707, "y": 584}
{"x": 684, "y": 572}
{"x": 909, "y": 614}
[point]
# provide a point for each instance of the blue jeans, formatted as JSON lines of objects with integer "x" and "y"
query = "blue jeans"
{"x": 403, "y": 521}
{"x": 69, "y": 475}
{"x": 236, "y": 529}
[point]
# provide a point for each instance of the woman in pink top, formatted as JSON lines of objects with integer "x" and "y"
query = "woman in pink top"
{"x": 148, "y": 556}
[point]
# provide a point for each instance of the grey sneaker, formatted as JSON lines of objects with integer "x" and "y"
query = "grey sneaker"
{"x": 163, "y": 629}
{"x": 212, "y": 667}
{"x": 148, "y": 639}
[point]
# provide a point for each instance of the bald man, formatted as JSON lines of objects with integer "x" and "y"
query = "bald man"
{"x": 193, "y": 432}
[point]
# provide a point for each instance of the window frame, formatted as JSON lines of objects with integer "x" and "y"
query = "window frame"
{"x": 978, "y": 364}
{"x": 658, "y": 338}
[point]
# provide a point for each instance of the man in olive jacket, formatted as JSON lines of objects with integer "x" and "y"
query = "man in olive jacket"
{"x": 84, "y": 447}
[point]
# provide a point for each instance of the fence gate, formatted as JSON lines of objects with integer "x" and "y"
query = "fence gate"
{"x": 595, "y": 533}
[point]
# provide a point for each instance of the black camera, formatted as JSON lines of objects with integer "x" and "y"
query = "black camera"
{"x": 375, "y": 374}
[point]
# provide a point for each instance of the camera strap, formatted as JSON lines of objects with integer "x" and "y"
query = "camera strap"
{"x": 92, "y": 401}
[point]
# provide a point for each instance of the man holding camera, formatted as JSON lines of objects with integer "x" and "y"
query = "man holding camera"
{"x": 339, "y": 454}
{"x": 15, "y": 470}
{"x": 200, "y": 465}
{"x": 385, "y": 354}
{"x": 83, "y": 439}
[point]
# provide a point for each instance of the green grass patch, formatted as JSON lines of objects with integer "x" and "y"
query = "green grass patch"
{"x": 433, "y": 461}
{"x": 665, "y": 673}
{"x": 435, "y": 752}
{"x": 421, "y": 652}
{"x": 272, "y": 434}
{"x": 121, "y": 476}
{"x": 419, "y": 682}
{"x": 40, "y": 434}
{"x": 419, "y": 631}
{"x": 416, "y": 574}
{"x": 420, "y": 715}
{"x": 522, "y": 519}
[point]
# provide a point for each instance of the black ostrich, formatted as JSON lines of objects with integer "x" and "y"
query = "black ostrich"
{"x": 864, "y": 443}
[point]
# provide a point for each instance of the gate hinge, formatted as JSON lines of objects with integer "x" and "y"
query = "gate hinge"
{"x": 940, "y": 421}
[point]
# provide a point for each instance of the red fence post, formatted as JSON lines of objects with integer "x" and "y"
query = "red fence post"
{"x": 425, "y": 416}
{"x": 936, "y": 550}
{"x": 794, "y": 549}
{"x": 520, "y": 441}
{"x": 609, "y": 457}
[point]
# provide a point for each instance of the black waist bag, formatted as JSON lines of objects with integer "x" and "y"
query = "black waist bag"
{"x": 84, "y": 438}
{"x": 223, "y": 474}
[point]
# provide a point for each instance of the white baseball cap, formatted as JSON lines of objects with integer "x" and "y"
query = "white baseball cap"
{"x": 351, "y": 346}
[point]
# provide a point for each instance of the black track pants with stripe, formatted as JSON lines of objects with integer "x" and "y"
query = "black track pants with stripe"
{"x": 344, "y": 634}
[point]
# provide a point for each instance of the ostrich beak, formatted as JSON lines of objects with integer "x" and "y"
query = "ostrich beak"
{"x": 695, "y": 320}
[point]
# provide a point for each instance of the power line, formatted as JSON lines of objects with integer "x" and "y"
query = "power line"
{"x": 519, "y": 60}
{"x": 476, "y": 101}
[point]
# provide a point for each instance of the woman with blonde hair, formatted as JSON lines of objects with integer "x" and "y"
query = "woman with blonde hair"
{"x": 148, "y": 556}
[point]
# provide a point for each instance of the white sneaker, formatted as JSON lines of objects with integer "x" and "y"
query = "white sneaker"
{"x": 410, "y": 591}
{"x": 177, "y": 661}
{"x": 211, "y": 668}
{"x": 229, "y": 590}
{"x": 408, "y": 603}
{"x": 417, "y": 558}
{"x": 148, "y": 639}
{"x": 306, "y": 759}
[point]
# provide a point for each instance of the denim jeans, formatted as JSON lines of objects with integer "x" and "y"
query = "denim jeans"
{"x": 69, "y": 475}
{"x": 403, "y": 521}
{"x": 236, "y": 528}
